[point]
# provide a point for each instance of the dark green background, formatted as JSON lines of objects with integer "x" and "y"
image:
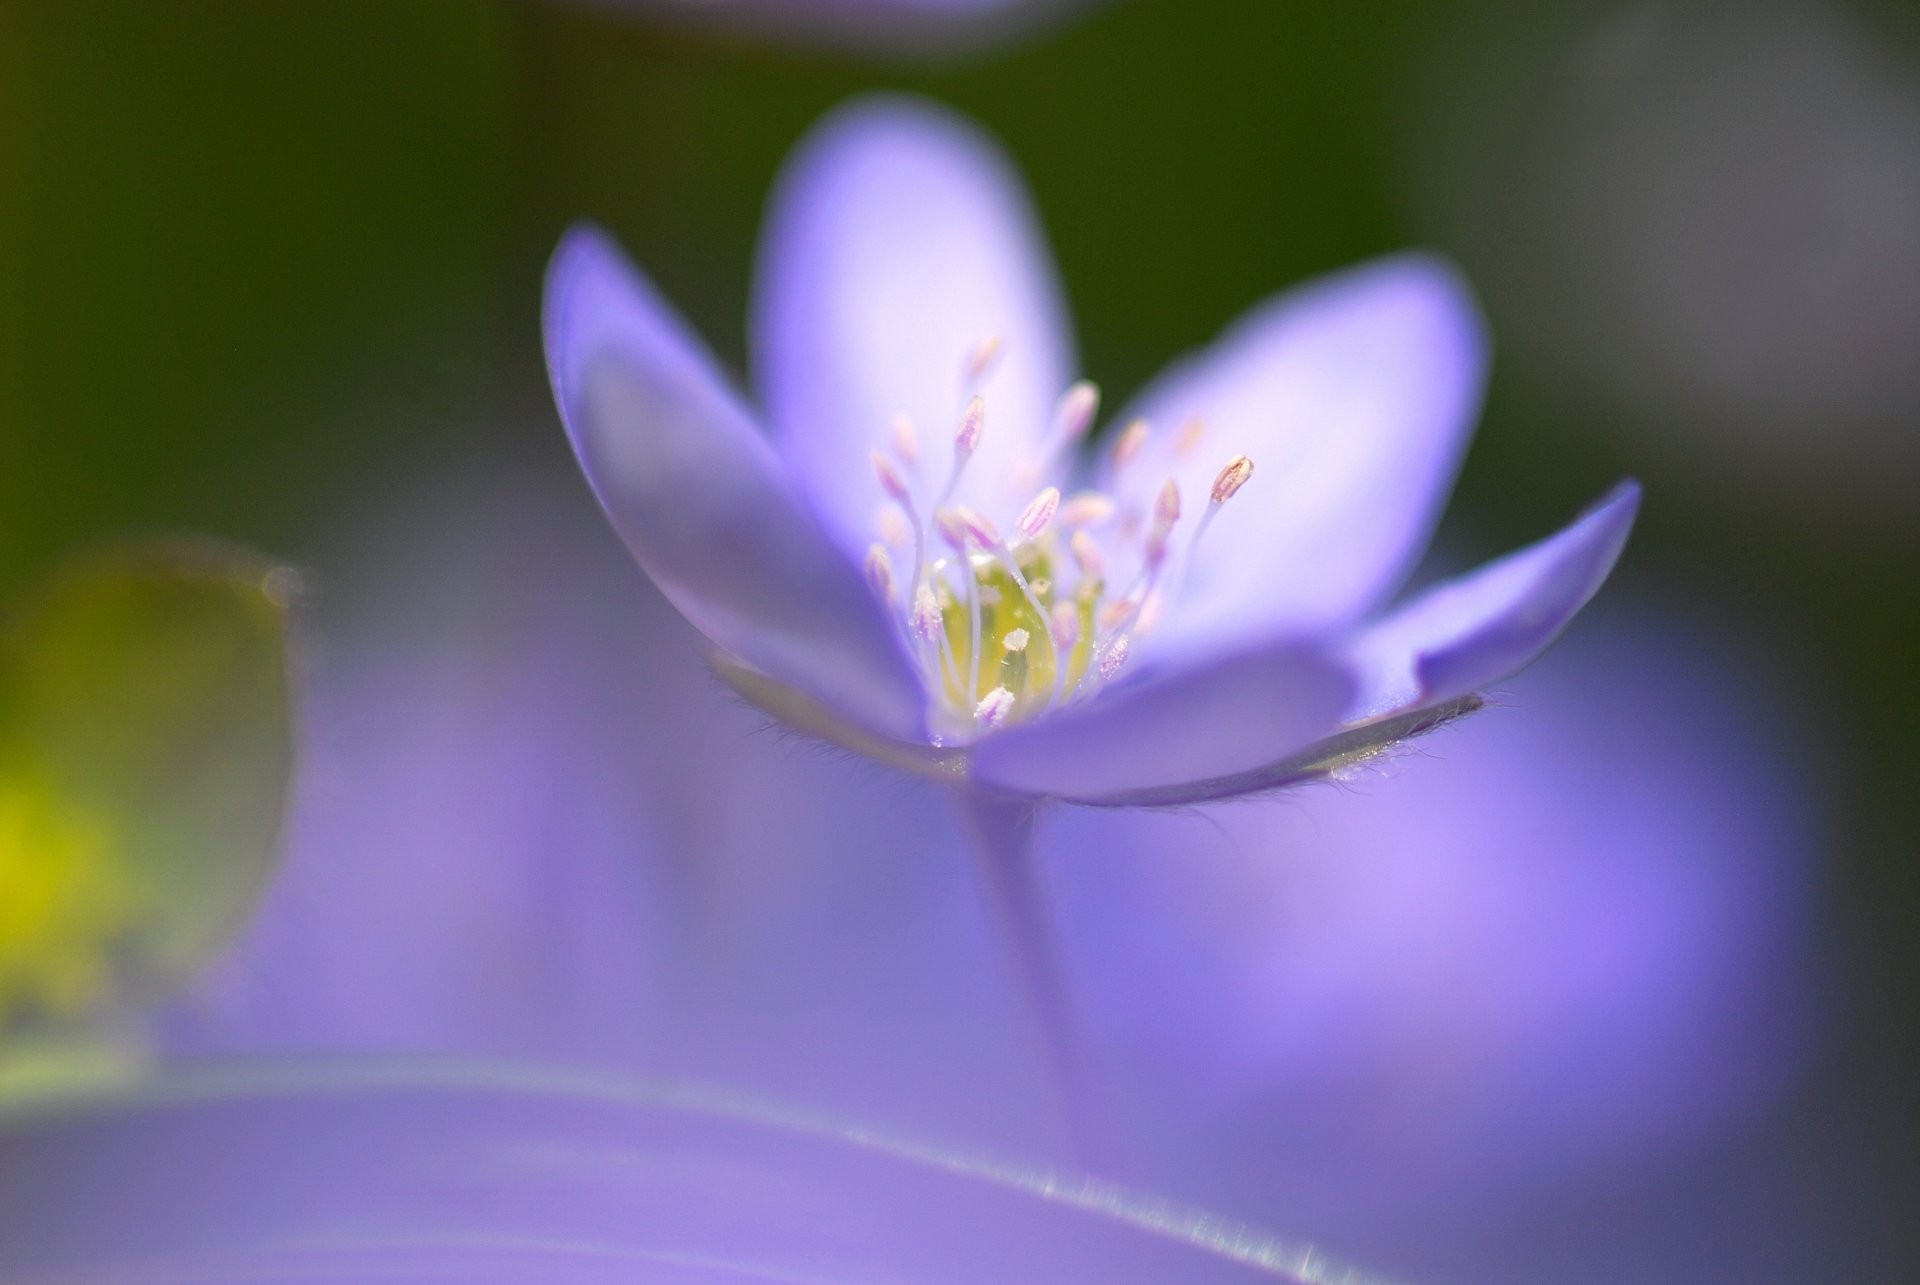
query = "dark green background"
{"x": 255, "y": 256}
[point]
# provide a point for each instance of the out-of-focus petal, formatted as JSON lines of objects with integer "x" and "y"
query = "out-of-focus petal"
{"x": 1225, "y": 717}
{"x": 1462, "y": 635}
{"x": 930, "y": 30}
{"x": 702, "y": 501}
{"x": 898, "y": 241}
{"x": 1538, "y": 964}
{"x": 529, "y": 823}
{"x": 493, "y": 1174}
{"x": 1355, "y": 397}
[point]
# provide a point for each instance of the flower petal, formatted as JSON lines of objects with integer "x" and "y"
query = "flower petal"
{"x": 899, "y": 239}
{"x": 477, "y": 1172}
{"x": 701, "y": 499}
{"x": 1355, "y": 397}
{"x": 1214, "y": 720}
{"x": 1464, "y": 634}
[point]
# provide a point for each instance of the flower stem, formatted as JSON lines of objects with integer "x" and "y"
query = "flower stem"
{"x": 1002, "y": 833}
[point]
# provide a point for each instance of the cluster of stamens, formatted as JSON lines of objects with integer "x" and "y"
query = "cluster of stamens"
{"x": 1008, "y": 626}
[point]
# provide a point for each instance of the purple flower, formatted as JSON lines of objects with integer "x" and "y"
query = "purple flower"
{"x": 1572, "y": 942}
{"x": 1561, "y": 947}
{"x": 929, "y": 27}
{"x": 450, "y": 1173}
{"x": 907, "y": 550}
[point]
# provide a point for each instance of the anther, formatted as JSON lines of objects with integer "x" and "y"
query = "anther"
{"x": 1115, "y": 657}
{"x": 994, "y": 707}
{"x": 906, "y": 442}
{"x": 1166, "y": 512}
{"x": 1038, "y": 514}
{"x": 1074, "y": 415}
{"x": 1016, "y": 640}
{"x": 982, "y": 359}
{"x": 1225, "y": 487}
{"x": 895, "y": 533}
{"x": 967, "y": 440}
{"x": 1087, "y": 556}
{"x": 1085, "y": 508}
{"x": 1232, "y": 478}
{"x": 951, "y": 529}
{"x": 880, "y": 574}
{"x": 1189, "y": 438}
{"x": 977, "y": 526}
{"x": 890, "y": 480}
{"x": 1128, "y": 445}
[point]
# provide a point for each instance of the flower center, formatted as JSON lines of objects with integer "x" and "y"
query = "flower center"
{"x": 1005, "y": 627}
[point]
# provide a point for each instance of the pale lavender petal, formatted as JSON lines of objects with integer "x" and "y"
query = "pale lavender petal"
{"x": 530, "y": 823}
{"x": 899, "y": 239}
{"x": 1355, "y": 397}
{"x": 701, "y": 499}
{"x": 498, "y": 1174}
{"x": 1228, "y": 716}
{"x": 1560, "y": 949}
{"x": 935, "y": 30}
{"x": 1462, "y": 635}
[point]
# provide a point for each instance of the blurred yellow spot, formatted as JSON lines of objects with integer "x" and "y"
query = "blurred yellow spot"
{"x": 63, "y": 901}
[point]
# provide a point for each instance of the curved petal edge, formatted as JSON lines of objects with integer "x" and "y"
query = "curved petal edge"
{"x": 1460, "y": 636}
{"x": 1172, "y": 729}
{"x": 700, "y": 498}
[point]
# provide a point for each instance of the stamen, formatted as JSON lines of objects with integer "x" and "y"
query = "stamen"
{"x": 1166, "y": 512}
{"x": 1087, "y": 556}
{"x": 978, "y": 529}
{"x": 880, "y": 574}
{"x": 973, "y": 630}
{"x": 1038, "y": 514}
{"x": 925, "y": 619}
{"x": 890, "y": 480}
{"x": 1150, "y": 612}
{"x": 967, "y": 440}
{"x": 1232, "y": 478}
{"x": 906, "y": 441}
{"x": 1075, "y": 413}
{"x": 1086, "y": 508}
{"x": 894, "y": 531}
{"x": 1225, "y": 487}
{"x": 953, "y": 530}
{"x": 896, "y": 486}
{"x": 1128, "y": 445}
{"x": 982, "y": 360}
{"x": 1014, "y": 589}
{"x": 1066, "y": 626}
{"x": 994, "y": 707}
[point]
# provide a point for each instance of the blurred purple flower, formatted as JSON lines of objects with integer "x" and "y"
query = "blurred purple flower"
{"x": 924, "y": 28}
{"x": 1568, "y": 941}
{"x": 530, "y": 824}
{"x": 495, "y": 1174}
{"x": 1152, "y": 625}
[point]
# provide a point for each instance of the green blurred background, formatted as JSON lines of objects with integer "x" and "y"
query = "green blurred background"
{"x": 257, "y": 258}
